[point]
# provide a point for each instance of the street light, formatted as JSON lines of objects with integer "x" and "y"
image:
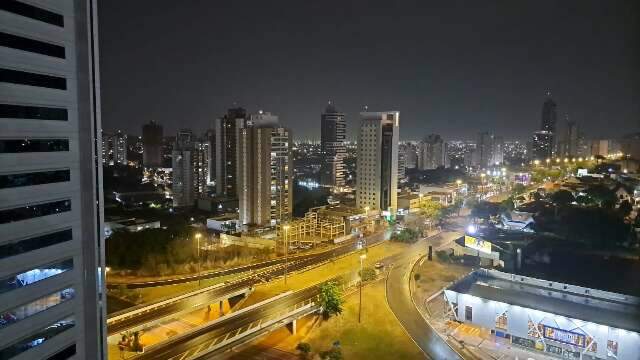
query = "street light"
{"x": 198, "y": 235}
{"x": 362, "y": 257}
{"x": 286, "y": 253}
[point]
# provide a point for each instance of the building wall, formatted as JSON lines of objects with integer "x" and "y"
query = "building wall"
{"x": 77, "y": 219}
{"x": 332, "y": 137}
{"x": 377, "y": 160}
{"x": 152, "y": 143}
{"x": 226, "y": 133}
{"x": 254, "y": 175}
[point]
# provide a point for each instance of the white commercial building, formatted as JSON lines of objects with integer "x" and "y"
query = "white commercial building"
{"x": 560, "y": 320}
{"x": 52, "y": 304}
{"x": 377, "y": 161}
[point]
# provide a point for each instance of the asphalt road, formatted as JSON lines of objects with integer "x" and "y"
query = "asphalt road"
{"x": 399, "y": 300}
{"x": 205, "y": 335}
{"x": 196, "y": 301}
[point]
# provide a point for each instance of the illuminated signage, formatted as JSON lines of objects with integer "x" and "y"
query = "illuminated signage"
{"x": 564, "y": 336}
{"x": 477, "y": 244}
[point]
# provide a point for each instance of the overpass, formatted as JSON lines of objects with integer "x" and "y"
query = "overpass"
{"x": 219, "y": 335}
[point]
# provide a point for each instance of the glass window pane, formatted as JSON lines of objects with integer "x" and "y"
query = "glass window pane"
{"x": 24, "y": 311}
{"x": 38, "y": 338}
{"x": 34, "y": 211}
{"x": 34, "y": 275}
{"x": 34, "y": 243}
{"x": 33, "y": 145}
{"x": 9, "y": 111}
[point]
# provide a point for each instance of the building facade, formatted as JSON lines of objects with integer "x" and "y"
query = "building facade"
{"x": 332, "y": 136}
{"x": 114, "y": 148}
{"x": 432, "y": 152}
{"x": 489, "y": 150}
{"x": 152, "y": 145}
{"x": 377, "y": 161}
{"x": 51, "y": 236}
{"x": 264, "y": 172}
{"x": 226, "y": 132}
{"x": 556, "y": 319}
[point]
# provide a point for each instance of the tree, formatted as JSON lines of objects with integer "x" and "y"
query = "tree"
{"x": 405, "y": 235}
{"x": 507, "y": 205}
{"x": 484, "y": 210}
{"x": 431, "y": 209}
{"x": 518, "y": 189}
{"x": 367, "y": 274}
{"x": 584, "y": 200}
{"x": 604, "y": 196}
{"x": 335, "y": 353}
{"x": 625, "y": 208}
{"x": 304, "y": 348}
{"x": 330, "y": 298}
{"x": 562, "y": 198}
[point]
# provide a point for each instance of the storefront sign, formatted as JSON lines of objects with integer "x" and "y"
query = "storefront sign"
{"x": 477, "y": 244}
{"x": 564, "y": 336}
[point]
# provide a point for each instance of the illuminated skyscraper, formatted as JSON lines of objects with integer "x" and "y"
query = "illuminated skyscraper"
{"x": 226, "y": 133}
{"x": 377, "y": 161}
{"x": 332, "y": 135}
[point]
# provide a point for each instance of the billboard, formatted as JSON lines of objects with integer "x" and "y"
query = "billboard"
{"x": 477, "y": 244}
{"x": 564, "y": 336}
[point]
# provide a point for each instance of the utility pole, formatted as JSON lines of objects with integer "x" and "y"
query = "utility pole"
{"x": 198, "y": 235}
{"x": 362, "y": 257}
{"x": 286, "y": 253}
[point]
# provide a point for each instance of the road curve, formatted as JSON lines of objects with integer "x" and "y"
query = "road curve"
{"x": 399, "y": 300}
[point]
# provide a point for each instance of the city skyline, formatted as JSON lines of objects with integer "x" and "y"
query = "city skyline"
{"x": 487, "y": 70}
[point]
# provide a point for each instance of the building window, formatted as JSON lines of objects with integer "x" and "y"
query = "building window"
{"x": 34, "y": 275}
{"x": 33, "y": 145}
{"x": 33, "y": 211}
{"x": 32, "y": 12}
{"x": 31, "y": 45}
{"x": 24, "y": 311}
{"x": 8, "y": 111}
{"x": 65, "y": 354}
{"x": 34, "y": 178}
{"x": 35, "y": 243}
{"x": 32, "y": 79}
{"x": 502, "y": 321}
{"x": 468, "y": 313}
{"x": 38, "y": 338}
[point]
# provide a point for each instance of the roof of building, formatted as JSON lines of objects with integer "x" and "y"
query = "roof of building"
{"x": 601, "y": 307}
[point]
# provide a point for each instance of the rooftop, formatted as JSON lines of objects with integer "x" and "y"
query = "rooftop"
{"x": 597, "y": 306}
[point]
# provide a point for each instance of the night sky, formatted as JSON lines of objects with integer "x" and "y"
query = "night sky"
{"x": 449, "y": 67}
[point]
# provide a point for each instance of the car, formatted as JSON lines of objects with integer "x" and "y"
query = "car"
{"x": 379, "y": 265}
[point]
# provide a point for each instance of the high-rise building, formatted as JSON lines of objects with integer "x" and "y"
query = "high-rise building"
{"x": 571, "y": 138}
{"x": 183, "y": 158}
{"x": 488, "y": 150}
{"x": 201, "y": 165}
{"x": 265, "y": 171}
{"x": 549, "y": 115}
{"x": 210, "y": 137}
{"x": 410, "y": 155}
{"x": 168, "y": 142}
{"x": 377, "y": 161}
{"x": 226, "y": 133}
{"x": 51, "y": 236}
{"x": 544, "y": 140}
{"x": 432, "y": 152}
{"x": 402, "y": 167}
{"x": 542, "y": 145}
{"x": 152, "y": 144}
{"x": 114, "y": 148}
{"x": 497, "y": 151}
{"x": 332, "y": 134}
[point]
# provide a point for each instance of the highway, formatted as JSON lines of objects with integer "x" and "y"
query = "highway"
{"x": 399, "y": 300}
{"x": 206, "y": 336}
{"x": 202, "y": 299}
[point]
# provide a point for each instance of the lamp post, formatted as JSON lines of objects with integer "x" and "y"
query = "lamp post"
{"x": 362, "y": 257}
{"x": 286, "y": 253}
{"x": 198, "y": 235}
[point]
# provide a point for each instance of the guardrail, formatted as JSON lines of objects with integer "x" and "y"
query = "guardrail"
{"x": 252, "y": 332}
{"x": 203, "y": 329}
{"x": 147, "y": 308}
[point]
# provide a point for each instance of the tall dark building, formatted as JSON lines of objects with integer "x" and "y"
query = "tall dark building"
{"x": 226, "y": 132}
{"x": 549, "y": 115}
{"x": 332, "y": 134}
{"x": 543, "y": 141}
{"x": 152, "y": 144}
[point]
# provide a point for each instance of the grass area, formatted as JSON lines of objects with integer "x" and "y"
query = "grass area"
{"x": 346, "y": 265}
{"x": 433, "y": 276}
{"x": 379, "y": 336}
